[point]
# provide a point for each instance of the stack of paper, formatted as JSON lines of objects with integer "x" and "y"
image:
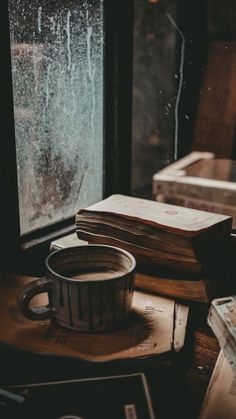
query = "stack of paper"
{"x": 222, "y": 320}
{"x": 220, "y": 399}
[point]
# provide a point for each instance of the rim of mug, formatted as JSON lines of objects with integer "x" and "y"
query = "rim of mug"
{"x": 72, "y": 248}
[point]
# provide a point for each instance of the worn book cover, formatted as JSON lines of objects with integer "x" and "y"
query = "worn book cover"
{"x": 109, "y": 397}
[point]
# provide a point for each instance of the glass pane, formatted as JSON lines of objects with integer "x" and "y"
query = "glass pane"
{"x": 57, "y": 67}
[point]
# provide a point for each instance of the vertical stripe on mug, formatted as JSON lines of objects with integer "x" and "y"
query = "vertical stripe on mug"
{"x": 69, "y": 305}
{"x": 80, "y": 306}
{"x": 61, "y": 299}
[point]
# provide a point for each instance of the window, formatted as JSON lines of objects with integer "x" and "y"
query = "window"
{"x": 74, "y": 68}
{"x": 67, "y": 73}
{"x": 57, "y": 73}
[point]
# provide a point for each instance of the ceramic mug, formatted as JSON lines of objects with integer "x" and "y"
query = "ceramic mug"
{"x": 90, "y": 288}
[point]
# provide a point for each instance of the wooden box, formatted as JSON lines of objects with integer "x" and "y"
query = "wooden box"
{"x": 199, "y": 181}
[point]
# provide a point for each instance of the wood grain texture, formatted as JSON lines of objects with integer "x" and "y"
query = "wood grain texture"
{"x": 216, "y": 117}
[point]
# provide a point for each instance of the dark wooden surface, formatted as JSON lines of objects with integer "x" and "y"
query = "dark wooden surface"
{"x": 178, "y": 390}
{"x": 202, "y": 350}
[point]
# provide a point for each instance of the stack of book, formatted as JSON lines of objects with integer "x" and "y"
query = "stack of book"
{"x": 220, "y": 398}
{"x": 176, "y": 248}
{"x": 222, "y": 320}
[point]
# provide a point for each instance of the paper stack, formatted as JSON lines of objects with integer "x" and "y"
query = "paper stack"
{"x": 220, "y": 399}
{"x": 222, "y": 320}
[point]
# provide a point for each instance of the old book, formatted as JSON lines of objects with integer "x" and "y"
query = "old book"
{"x": 218, "y": 279}
{"x": 202, "y": 290}
{"x": 220, "y": 283}
{"x": 156, "y": 328}
{"x": 222, "y": 320}
{"x": 220, "y": 399}
{"x": 69, "y": 240}
{"x": 176, "y": 238}
{"x": 123, "y": 396}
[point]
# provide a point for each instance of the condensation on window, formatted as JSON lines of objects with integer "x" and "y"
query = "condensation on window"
{"x": 57, "y": 71}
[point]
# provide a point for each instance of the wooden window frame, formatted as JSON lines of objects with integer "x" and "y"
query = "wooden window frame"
{"x": 118, "y": 34}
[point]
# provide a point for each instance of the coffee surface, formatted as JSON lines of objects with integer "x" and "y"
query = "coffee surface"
{"x": 91, "y": 275}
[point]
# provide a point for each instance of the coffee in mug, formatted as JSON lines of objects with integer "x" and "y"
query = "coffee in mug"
{"x": 90, "y": 288}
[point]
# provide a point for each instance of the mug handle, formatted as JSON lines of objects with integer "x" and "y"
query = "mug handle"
{"x": 35, "y": 287}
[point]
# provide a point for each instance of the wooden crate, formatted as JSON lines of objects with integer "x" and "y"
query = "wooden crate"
{"x": 199, "y": 181}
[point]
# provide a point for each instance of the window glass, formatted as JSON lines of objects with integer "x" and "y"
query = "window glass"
{"x": 57, "y": 70}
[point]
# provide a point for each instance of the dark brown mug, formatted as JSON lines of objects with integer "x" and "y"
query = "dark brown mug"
{"x": 90, "y": 288}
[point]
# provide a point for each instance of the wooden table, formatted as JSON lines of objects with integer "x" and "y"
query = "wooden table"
{"x": 178, "y": 390}
{"x": 202, "y": 349}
